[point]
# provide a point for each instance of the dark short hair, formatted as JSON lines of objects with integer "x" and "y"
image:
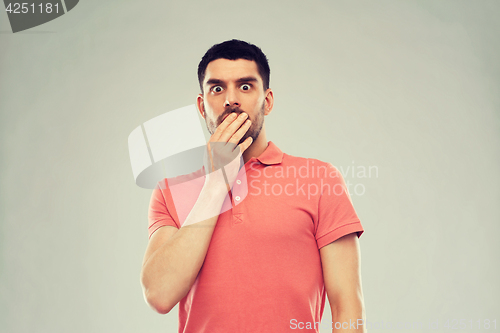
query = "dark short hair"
{"x": 232, "y": 50}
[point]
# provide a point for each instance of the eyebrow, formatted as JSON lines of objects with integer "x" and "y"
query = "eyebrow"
{"x": 213, "y": 81}
{"x": 240, "y": 80}
{"x": 247, "y": 79}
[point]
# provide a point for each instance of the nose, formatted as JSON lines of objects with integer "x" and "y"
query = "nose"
{"x": 231, "y": 98}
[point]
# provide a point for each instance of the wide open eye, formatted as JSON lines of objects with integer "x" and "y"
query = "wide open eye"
{"x": 217, "y": 89}
{"x": 245, "y": 87}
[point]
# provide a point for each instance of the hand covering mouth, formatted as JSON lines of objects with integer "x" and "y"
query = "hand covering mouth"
{"x": 230, "y": 110}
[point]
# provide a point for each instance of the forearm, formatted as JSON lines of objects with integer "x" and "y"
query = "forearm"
{"x": 349, "y": 318}
{"x": 169, "y": 273}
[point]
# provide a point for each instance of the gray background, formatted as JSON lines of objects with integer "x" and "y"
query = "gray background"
{"x": 411, "y": 87}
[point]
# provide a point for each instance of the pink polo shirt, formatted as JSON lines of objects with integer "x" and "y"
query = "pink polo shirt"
{"x": 262, "y": 272}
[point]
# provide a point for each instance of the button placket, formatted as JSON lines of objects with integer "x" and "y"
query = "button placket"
{"x": 237, "y": 214}
{"x": 239, "y": 194}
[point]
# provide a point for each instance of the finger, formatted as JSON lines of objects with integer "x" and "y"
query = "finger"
{"x": 240, "y": 132}
{"x": 245, "y": 144}
{"x": 222, "y": 127}
{"x": 232, "y": 128}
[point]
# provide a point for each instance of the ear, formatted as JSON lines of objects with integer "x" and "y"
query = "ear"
{"x": 200, "y": 105}
{"x": 269, "y": 102}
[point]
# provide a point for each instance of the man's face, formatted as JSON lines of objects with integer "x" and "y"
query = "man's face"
{"x": 234, "y": 86}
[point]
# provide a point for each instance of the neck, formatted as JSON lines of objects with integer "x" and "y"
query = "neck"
{"x": 257, "y": 147}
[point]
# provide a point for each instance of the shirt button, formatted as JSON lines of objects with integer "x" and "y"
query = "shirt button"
{"x": 237, "y": 198}
{"x": 238, "y": 182}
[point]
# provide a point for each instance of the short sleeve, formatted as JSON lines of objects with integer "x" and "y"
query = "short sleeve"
{"x": 158, "y": 214}
{"x": 336, "y": 214}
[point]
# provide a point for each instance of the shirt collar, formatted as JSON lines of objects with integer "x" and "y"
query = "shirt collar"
{"x": 272, "y": 155}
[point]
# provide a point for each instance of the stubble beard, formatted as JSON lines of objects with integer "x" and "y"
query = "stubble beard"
{"x": 252, "y": 132}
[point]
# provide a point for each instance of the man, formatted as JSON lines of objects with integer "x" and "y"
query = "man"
{"x": 291, "y": 233}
